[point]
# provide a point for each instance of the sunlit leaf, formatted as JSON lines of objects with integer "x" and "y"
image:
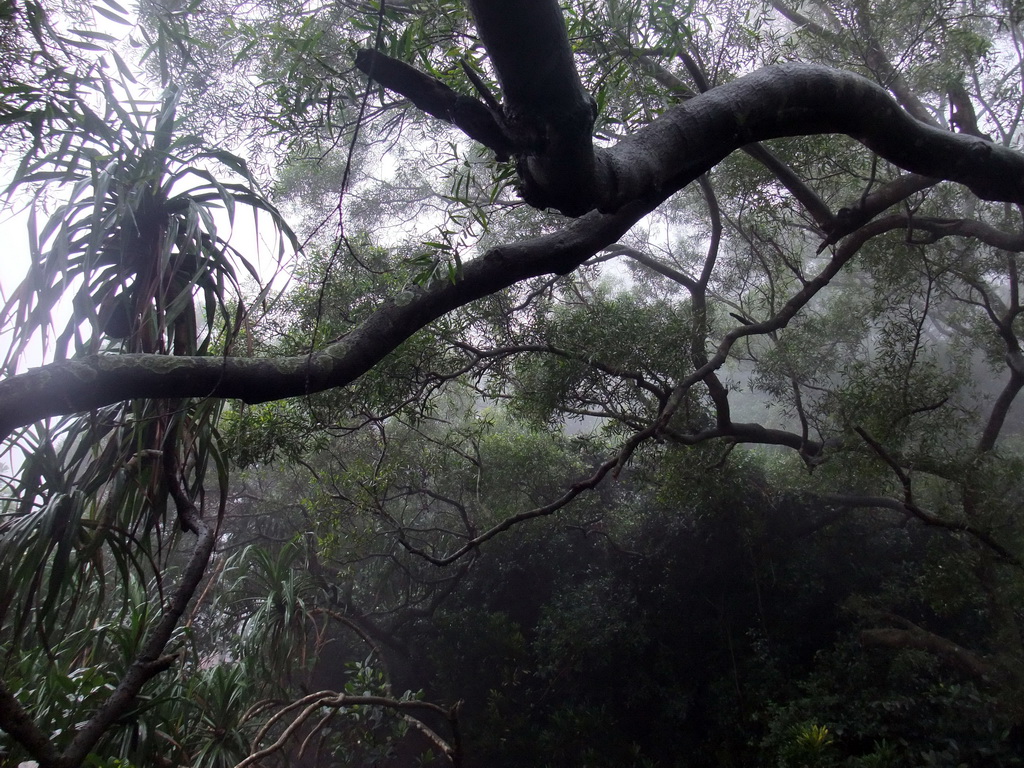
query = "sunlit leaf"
{"x": 118, "y": 17}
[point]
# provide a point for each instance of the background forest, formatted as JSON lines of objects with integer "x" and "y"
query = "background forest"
{"x": 741, "y": 485}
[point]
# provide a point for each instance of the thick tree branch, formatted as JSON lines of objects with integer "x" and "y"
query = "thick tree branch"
{"x": 1000, "y": 410}
{"x": 547, "y": 112}
{"x": 18, "y": 723}
{"x": 91, "y": 382}
{"x": 913, "y": 636}
{"x": 979, "y": 230}
{"x": 797, "y": 100}
{"x": 472, "y": 117}
{"x": 780, "y": 101}
{"x": 812, "y": 203}
{"x": 850, "y": 218}
{"x": 634, "y": 177}
{"x": 750, "y": 433}
{"x": 549, "y": 118}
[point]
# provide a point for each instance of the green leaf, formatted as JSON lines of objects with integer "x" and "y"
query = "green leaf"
{"x": 114, "y": 5}
{"x": 122, "y": 68}
{"x": 92, "y": 34}
{"x": 118, "y": 18}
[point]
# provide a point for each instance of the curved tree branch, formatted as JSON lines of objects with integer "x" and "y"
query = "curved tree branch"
{"x": 640, "y": 173}
{"x": 807, "y": 197}
{"x": 546, "y": 118}
{"x": 926, "y": 517}
{"x": 913, "y": 636}
{"x": 798, "y": 100}
{"x": 93, "y": 381}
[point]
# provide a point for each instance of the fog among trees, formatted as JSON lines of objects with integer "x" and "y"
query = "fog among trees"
{"x": 628, "y": 383}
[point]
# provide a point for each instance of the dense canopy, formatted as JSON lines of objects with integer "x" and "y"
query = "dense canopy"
{"x": 625, "y": 382}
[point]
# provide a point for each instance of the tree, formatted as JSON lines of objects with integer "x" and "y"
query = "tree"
{"x": 863, "y": 397}
{"x": 626, "y": 182}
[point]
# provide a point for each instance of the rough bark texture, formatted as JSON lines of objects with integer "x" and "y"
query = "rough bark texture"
{"x": 545, "y": 126}
{"x": 545, "y": 123}
{"x": 638, "y": 174}
{"x": 545, "y": 120}
{"x": 547, "y": 112}
{"x": 90, "y": 382}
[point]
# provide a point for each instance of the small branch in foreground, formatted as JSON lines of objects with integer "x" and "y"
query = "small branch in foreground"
{"x": 149, "y": 661}
{"x": 509, "y": 522}
{"x": 908, "y": 495}
{"x": 314, "y": 702}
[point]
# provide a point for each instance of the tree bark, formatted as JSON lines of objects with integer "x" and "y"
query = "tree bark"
{"x": 91, "y": 382}
{"x": 626, "y": 181}
{"x": 546, "y": 121}
{"x": 920, "y": 639}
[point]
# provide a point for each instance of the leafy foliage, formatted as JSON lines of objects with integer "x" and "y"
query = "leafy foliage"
{"x": 767, "y": 442}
